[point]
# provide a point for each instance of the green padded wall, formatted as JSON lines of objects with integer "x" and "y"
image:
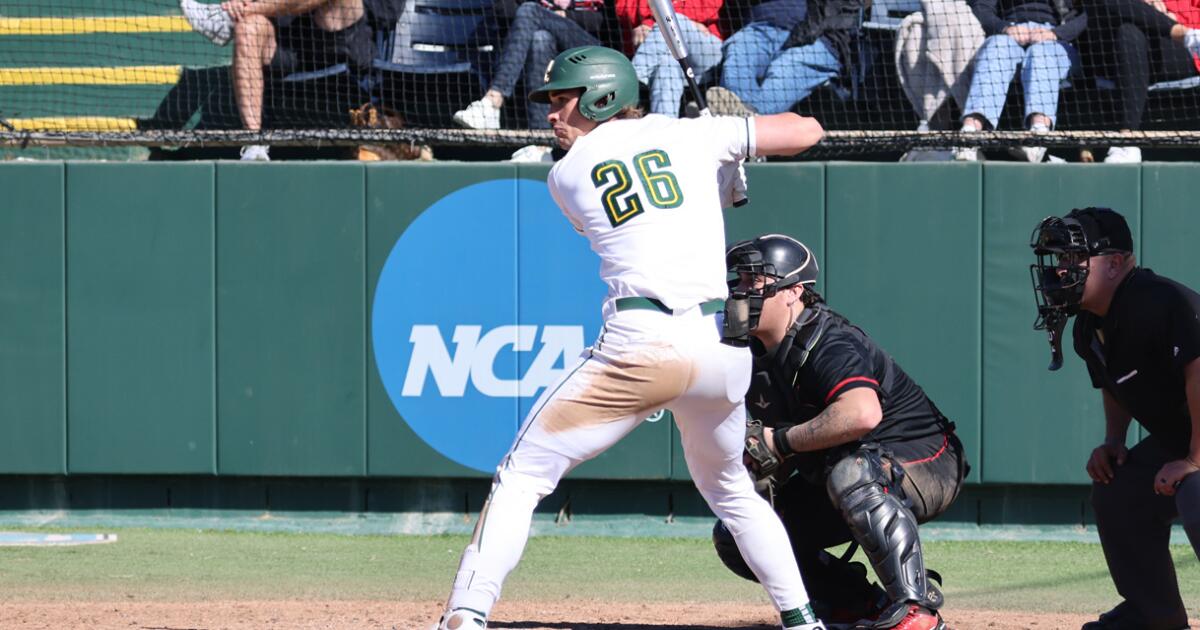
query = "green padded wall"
{"x": 201, "y": 318}
{"x": 396, "y": 195}
{"x": 291, "y": 395}
{"x": 139, "y": 318}
{"x": 1039, "y": 426}
{"x": 32, "y": 345}
{"x": 904, "y": 265}
{"x": 1171, "y": 221}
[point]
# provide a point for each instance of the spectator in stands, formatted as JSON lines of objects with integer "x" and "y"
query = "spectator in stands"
{"x": 282, "y": 37}
{"x": 1034, "y": 35}
{"x": 655, "y": 67}
{"x": 935, "y": 51}
{"x": 540, "y": 30}
{"x": 784, "y": 53}
{"x": 1139, "y": 43}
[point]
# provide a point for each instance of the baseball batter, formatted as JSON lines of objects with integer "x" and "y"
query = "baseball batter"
{"x": 645, "y": 193}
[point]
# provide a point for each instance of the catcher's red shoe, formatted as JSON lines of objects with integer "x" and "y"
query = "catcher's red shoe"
{"x": 919, "y": 618}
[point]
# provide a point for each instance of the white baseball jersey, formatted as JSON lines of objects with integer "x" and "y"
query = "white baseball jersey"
{"x": 645, "y": 194}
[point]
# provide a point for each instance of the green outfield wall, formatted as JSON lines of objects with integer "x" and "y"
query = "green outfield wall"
{"x": 224, "y": 319}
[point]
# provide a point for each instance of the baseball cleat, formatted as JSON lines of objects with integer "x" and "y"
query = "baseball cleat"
{"x": 461, "y": 619}
{"x": 919, "y": 618}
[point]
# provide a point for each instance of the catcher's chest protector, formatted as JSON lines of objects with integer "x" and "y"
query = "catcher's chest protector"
{"x": 773, "y": 398}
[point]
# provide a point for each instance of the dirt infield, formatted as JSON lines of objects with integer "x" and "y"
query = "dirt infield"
{"x": 371, "y": 615}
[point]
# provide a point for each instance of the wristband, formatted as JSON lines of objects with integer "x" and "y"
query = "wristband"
{"x": 1189, "y": 460}
{"x": 782, "y": 447}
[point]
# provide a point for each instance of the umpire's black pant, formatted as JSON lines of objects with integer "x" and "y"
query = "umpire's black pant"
{"x": 1135, "y": 531}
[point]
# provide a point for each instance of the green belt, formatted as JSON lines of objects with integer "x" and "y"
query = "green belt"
{"x": 651, "y": 304}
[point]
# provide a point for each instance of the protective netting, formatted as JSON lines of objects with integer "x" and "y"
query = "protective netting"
{"x": 882, "y": 75}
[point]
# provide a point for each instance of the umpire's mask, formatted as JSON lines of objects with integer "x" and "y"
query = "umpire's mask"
{"x": 1061, "y": 269}
{"x": 1064, "y": 247}
{"x": 782, "y": 260}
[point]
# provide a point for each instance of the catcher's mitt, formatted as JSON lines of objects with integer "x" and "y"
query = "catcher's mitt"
{"x": 759, "y": 459}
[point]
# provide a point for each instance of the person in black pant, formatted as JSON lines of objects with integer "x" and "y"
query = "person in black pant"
{"x": 540, "y": 30}
{"x": 1137, "y": 43}
{"x": 1139, "y": 334}
{"x": 860, "y": 452}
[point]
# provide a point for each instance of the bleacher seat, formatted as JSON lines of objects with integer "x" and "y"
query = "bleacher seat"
{"x": 887, "y": 14}
{"x": 439, "y": 37}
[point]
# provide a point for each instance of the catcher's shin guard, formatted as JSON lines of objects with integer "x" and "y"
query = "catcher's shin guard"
{"x": 884, "y": 527}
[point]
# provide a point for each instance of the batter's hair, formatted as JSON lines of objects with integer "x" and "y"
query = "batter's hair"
{"x": 810, "y": 297}
{"x": 630, "y": 112}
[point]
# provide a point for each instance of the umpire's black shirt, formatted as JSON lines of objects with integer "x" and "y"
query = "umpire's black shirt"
{"x": 843, "y": 358}
{"x": 1139, "y": 350}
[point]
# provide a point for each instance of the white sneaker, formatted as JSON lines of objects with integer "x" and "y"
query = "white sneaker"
{"x": 480, "y": 114}
{"x": 1123, "y": 155}
{"x": 461, "y": 619}
{"x": 1033, "y": 155}
{"x": 724, "y": 102}
{"x": 1191, "y": 39}
{"x": 533, "y": 153}
{"x": 256, "y": 153}
{"x": 210, "y": 20}
{"x": 966, "y": 154}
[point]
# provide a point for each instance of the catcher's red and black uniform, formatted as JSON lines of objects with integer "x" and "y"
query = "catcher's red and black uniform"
{"x": 822, "y": 357}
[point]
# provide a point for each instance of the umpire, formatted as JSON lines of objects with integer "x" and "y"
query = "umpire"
{"x": 859, "y": 450}
{"x": 1139, "y": 334}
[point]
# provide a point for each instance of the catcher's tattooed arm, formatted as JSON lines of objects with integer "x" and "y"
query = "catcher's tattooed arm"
{"x": 852, "y": 415}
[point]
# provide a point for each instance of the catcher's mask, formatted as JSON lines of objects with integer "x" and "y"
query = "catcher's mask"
{"x": 1063, "y": 247}
{"x": 781, "y": 260}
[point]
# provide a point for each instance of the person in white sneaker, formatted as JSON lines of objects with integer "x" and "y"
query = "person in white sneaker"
{"x": 1035, "y": 36}
{"x": 540, "y": 30}
{"x": 786, "y": 51}
{"x": 935, "y": 54}
{"x": 1146, "y": 42}
{"x": 702, "y": 32}
{"x": 280, "y": 37}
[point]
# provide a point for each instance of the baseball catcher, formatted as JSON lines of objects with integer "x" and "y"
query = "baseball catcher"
{"x": 851, "y": 448}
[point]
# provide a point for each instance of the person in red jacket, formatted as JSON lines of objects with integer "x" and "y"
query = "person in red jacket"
{"x": 652, "y": 60}
{"x": 1142, "y": 42}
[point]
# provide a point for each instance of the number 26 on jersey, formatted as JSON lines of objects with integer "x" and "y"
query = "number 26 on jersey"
{"x": 620, "y": 201}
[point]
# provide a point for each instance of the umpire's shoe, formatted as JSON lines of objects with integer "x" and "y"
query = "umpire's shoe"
{"x": 1126, "y": 617}
{"x": 461, "y": 619}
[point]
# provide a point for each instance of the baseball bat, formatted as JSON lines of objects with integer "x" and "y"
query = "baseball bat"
{"x": 668, "y": 25}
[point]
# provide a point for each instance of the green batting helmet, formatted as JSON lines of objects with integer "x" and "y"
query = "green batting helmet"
{"x": 606, "y": 76}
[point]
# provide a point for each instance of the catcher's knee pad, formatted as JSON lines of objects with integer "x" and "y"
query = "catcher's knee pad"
{"x": 885, "y": 527}
{"x": 728, "y": 552}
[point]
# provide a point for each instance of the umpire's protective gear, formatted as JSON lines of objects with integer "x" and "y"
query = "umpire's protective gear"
{"x": 872, "y": 503}
{"x": 607, "y": 78}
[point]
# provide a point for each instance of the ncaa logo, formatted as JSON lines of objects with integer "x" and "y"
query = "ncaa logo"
{"x": 485, "y": 300}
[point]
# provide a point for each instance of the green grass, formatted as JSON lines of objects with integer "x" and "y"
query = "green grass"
{"x": 189, "y": 565}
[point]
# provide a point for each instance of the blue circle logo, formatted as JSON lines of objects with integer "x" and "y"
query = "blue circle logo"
{"x": 487, "y": 298}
